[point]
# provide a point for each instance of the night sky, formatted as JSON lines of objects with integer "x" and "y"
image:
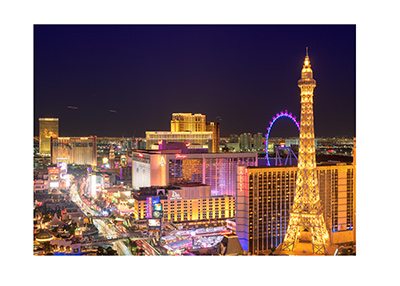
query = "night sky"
{"x": 241, "y": 75}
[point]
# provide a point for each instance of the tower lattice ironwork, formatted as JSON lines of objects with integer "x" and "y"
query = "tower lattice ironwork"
{"x": 306, "y": 216}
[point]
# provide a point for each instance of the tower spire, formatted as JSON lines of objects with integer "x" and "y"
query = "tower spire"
{"x": 306, "y": 72}
{"x": 306, "y": 222}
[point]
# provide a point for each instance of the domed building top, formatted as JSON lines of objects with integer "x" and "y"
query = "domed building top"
{"x": 44, "y": 235}
{"x": 56, "y": 192}
{"x": 56, "y": 221}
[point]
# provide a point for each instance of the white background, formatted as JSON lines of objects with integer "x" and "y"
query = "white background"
{"x": 377, "y": 152}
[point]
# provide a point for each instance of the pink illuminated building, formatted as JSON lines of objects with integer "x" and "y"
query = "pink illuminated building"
{"x": 163, "y": 167}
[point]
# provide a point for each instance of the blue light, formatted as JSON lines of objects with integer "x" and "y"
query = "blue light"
{"x": 269, "y": 130}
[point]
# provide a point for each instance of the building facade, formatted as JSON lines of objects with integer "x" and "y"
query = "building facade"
{"x": 188, "y": 128}
{"x": 40, "y": 185}
{"x": 196, "y": 140}
{"x": 265, "y": 196}
{"x": 258, "y": 142}
{"x": 218, "y": 170}
{"x": 213, "y": 145}
{"x": 188, "y": 122}
{"x": 190, "y": 203}
{"x": 48, "y": 128}
{"x": 245, "y": 142}
{"x": 75, "y": 150}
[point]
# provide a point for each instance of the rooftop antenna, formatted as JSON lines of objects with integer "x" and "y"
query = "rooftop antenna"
{"x": 306, "y": 51}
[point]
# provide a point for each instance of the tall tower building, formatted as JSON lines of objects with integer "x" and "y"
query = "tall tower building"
{"x": 74, "y": 150}
{"x": 187, "y": 122}
{"x": 111, "y": 156}
{"x": 214, "y": 128}
{"x": 354, "y": 184}
{"x": 48, "y": 128}
{"x": 258, "y": 140}
{"x": 306, "y": 224}
{"x": 245, "y": 142}
{"x": 189, "y": 128}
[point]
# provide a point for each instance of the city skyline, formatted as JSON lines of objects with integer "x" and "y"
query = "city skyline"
{"x": 125, "y": 80}
{"x": 376, "y": 78}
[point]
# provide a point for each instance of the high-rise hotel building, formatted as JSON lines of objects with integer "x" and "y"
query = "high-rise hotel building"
{"x": 163, "y": 167}
{"x": 213, "y": 145}
{"x": 265, "y": 195}
{"x": 196, "y": 140}
{"x": 187, "y": 122}
{"x": 189, "y": 202}
{"x": 245, "y": 142}
{"x": 48, "y": 128}
{"x": 74, "y": 150}
{"x": 187, "y": 128}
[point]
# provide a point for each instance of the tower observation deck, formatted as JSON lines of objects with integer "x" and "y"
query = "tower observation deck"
{"x": 306, "y": 233}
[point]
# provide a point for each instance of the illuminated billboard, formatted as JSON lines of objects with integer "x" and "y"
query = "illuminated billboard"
{"x": 140, "y": 172}
{"x": 93, "y": 185}
{"x": 96, "y": 184}
{"x": 149, "y": 207}
{"x": 54, "y": 184}
{"x": 154, "y": 207}
{"x": 53, "y": 170}
{"x": 154, "y": 224}
{"x": 156, "y": 204}
{"x": 54, "y": 177}
{"x": 67, "y": 179}
{"x": 62, "y": 165}
{"x": 157, "y": 214}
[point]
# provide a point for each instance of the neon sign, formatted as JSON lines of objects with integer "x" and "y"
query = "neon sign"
{"x": 180, "y": 157}
{"x": 175, "y": 195}
{"x": 54, "y": 171}
{"x": 242, "y": 180}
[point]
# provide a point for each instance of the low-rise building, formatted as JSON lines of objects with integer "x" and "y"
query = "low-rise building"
{"x": 189, "y": 202}
{"x": 40, "y": 185}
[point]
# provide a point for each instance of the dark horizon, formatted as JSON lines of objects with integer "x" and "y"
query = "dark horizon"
{"x": 112, "y": 80}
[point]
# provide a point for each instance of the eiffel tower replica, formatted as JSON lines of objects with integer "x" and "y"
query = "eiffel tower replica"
{"x": 306, "y": 233}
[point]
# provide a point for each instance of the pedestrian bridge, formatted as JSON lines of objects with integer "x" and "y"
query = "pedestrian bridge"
{"x": 109, "y": 240}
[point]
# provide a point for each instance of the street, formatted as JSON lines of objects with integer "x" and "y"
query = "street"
{"x": 105, "y": 227}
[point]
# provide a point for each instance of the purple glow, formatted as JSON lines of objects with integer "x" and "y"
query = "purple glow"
{"x": 270, "y": 126}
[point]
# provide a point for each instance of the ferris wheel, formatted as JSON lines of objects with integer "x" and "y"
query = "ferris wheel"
{"x": 271, "y": 123}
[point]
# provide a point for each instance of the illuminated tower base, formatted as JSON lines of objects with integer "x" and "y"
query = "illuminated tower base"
{"x": 306, "y": 233}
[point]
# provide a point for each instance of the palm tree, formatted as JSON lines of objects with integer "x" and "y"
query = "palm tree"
{"x": 110, "y": 251}
{"x": 47, "y": 247}
{"x": 100, "y": 250}
{"x": 140, "y": 251}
